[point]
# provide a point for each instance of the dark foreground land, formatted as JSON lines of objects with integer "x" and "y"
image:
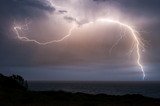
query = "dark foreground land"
{"x": 13, "y": 92}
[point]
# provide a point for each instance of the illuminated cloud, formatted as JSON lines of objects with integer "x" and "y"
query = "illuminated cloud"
{"x": 82, "y": 48}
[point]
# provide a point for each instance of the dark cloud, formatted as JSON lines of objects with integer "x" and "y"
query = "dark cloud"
{"x": 24, "y": 8}
{"x": 79, "y": 22}
{"x": 62, "y": 11}
{"x": 69, "y": 18}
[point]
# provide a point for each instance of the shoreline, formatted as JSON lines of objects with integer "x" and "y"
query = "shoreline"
{"x": 14, "y": 92}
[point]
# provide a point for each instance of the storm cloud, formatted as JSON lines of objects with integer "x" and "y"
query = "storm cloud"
{"x": 24, "y": 8}
{"x": 87, "y": 47}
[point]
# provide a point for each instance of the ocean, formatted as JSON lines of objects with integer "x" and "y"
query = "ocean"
{"x": 150, "y": 89}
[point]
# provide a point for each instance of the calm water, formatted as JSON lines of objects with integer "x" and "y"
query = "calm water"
{"x": 151, "y": 89}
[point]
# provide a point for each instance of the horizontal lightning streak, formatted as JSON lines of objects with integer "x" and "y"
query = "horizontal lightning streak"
{"x": 138, "y": 45}
{"x": 134, "y": 34}
{"x": 17, "y": 29}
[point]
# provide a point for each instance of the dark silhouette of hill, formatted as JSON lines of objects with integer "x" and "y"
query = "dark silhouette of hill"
{"x": 13, "y": 92}
{"x": 13, "y": 82}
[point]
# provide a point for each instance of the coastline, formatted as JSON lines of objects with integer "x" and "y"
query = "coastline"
{"x": 14, "y": 92}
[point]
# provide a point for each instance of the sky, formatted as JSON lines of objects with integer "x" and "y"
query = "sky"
{"x": 85, "y": 55}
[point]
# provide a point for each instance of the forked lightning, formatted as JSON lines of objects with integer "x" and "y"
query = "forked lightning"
{"x": 138, "y": 45}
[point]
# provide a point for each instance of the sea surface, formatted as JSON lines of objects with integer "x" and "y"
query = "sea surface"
{"x": 150, "y": 89}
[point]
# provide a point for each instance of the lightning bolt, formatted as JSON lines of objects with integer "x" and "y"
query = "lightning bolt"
{"x": 138, "y": 45}
{"x": 18, "y": 28}
{"x": 117, "y": 42}
{"x": 136, "y": 38}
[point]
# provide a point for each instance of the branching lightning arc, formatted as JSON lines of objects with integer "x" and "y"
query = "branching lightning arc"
{"x": 138, "y": 45}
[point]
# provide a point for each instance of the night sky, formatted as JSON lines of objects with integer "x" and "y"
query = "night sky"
{"x": 85, "y": 54}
